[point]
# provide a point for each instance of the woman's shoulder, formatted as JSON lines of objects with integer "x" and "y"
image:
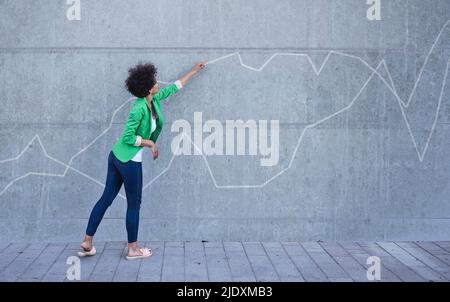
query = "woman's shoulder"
{"x": 138, "y": 104}
{"x": 137, "y": 109}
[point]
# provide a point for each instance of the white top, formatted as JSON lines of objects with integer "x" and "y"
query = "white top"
{"x": 138, "y": 156}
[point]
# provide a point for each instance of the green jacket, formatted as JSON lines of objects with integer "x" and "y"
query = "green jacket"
{"x": 139, "y": 122}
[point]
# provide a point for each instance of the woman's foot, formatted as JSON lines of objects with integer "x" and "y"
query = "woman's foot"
{"x": 86, "y": 245}
{"x": 88, "y": 248}
{"x": 137, "y": 252}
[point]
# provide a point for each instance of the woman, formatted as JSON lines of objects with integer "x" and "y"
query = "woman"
{"x": 125, "y": 159}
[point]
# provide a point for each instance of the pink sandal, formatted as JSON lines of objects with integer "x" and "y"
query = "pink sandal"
{"x": 91, "y": 252}
{"x": 146, "y": 252}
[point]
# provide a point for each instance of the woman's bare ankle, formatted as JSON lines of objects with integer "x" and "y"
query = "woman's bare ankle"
{"x": 87, "y": 243}
{"x": 134, "y": 249}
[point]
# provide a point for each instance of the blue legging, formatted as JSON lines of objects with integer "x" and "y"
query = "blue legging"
{"x": 130, "y": 174}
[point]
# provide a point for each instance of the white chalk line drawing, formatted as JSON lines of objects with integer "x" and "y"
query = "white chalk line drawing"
{"x": 391, "y": 87}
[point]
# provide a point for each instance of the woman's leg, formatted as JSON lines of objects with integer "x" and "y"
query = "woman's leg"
{"x": 132, "y": 179}
{"x": 112, "y": 187}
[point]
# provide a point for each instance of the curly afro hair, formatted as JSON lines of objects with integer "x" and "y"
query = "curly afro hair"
{"x": 141, "y": 78}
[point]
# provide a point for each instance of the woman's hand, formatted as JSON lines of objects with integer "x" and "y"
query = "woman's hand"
{"x": 196, "y": 69}
{"x": 199, "y": 66}
{"x": 154, "y": 149}
{"x": 152, "y": 146}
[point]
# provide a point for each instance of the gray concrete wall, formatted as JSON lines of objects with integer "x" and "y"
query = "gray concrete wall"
{"x": 364, "y": 118}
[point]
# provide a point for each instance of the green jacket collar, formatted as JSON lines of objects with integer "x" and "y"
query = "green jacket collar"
{"x": 145, "y": 101}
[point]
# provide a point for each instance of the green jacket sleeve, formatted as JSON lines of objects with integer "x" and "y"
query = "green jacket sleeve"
{"x": 166, "y": 92}
{"x": 134, "y": 119}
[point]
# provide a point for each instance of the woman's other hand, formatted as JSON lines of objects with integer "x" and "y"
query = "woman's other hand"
{"x": 154, "y": 149}
{"x": 196, "y": 69}
{"x": 199, "y": 66}
{"x": 152, "y": 146}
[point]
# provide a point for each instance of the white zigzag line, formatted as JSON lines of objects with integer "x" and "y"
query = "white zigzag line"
{"x": 317, "y": 71}
{"x": 301, "y": 138}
